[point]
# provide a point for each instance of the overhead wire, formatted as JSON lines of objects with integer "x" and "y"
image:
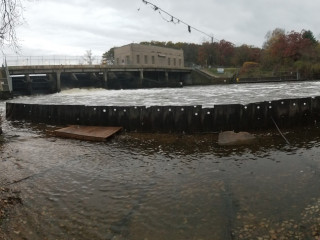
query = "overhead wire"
{"x": 176, "y": 20}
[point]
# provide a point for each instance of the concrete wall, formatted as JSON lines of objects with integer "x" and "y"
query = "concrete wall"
{"x": 286, "y": 113}
{"x": 5, "y": 84}
{"x": 201, "y": 78}
{"x": 146, "y": 55}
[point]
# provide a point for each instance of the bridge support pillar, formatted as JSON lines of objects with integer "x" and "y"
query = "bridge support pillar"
{"x": 58, "y": 81}
{"x": 166, "y": 73}
{"x": 105, "y": 79}
{"x": 141, "y": 77}
{"x": 29, "y": 84}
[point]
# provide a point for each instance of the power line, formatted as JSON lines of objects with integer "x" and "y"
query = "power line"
{"x": 175, "y": 20}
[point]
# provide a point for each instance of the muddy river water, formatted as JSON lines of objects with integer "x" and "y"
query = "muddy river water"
{"x": 162, "y": 186}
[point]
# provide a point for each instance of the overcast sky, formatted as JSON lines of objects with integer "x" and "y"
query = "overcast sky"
{"x": 70, "y": 27}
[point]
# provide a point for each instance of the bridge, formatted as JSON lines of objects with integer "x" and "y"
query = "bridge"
{"x": 38, "y": 75}
{"x": 106, "y": 76}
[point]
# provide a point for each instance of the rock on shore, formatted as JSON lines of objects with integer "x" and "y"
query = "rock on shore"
{"x": 229, "y": 138}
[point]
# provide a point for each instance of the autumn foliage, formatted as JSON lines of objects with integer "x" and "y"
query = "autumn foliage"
{"x": 288, "y": 48}
{"x": 248, "y": 66}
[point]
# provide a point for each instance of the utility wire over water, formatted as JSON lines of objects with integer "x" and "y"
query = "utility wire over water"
{"x": 175, "y": 20}
{"x": 159, "y": 186}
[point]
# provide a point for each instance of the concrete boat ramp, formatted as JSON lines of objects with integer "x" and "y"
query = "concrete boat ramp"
{"x": 88, "y": 133}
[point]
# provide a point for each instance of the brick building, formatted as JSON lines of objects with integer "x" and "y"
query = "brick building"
{"x": 147, "y": 55}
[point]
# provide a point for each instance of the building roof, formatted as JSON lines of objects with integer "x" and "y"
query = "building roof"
{"x": 150, "y": 45}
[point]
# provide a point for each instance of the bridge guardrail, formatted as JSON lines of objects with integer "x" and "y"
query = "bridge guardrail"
{"x": 52, "y": 60}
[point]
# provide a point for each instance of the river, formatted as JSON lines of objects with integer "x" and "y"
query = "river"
{"x": 206, "y": 96}
{"x": 163, "y": 186}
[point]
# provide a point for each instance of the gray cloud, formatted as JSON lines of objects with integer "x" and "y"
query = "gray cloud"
{"x": 71, "y": 27}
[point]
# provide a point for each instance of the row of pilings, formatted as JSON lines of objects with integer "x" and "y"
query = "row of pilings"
{"x": 286, "y": 113}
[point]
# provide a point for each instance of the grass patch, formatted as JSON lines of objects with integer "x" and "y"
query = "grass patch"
{"x": 228, "y": 72}
{"x": 259, "y": 73}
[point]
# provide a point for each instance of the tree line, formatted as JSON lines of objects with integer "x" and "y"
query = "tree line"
{"x": 290, "y": 51}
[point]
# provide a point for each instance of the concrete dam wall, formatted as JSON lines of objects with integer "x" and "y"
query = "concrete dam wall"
{"x": 286, "y": 113}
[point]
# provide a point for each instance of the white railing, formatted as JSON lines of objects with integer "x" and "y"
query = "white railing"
{"x": 52, "y": 60}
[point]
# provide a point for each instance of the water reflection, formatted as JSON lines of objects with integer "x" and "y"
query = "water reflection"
{"x": 161, "y": 186}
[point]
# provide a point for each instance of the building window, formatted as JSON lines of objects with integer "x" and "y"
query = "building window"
{"x": 117, "y": 61}
{"x": 174, "y": 62}
{"x": 138, "y": 59}
{"x": 180, "y": 63}
{"x": 127, "y": 60}
{"x": 169, "y": 61}
{"x": 145, "y": 59}
{"x": 152, "y": 59}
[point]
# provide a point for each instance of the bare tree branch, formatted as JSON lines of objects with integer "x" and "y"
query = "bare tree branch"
{"x": 10, "y": 18}
{"x": 88, "y": 57}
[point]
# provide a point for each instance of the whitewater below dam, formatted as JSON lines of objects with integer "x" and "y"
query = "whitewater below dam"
{"x": 207, "y": 96}
{"x": 163, "y": 186}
